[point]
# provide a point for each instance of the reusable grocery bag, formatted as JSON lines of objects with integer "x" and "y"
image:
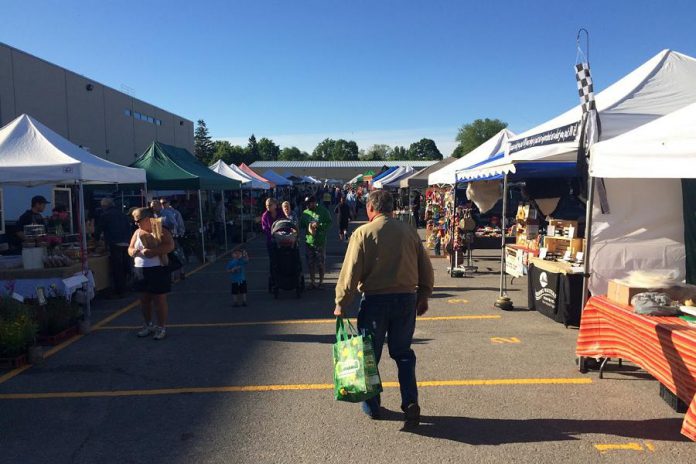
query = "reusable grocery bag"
{"x": 356, "y": 377}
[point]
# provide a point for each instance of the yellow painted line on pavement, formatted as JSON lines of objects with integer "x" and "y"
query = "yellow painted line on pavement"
{"x": 605, "y": 448}
{"x": 98, "y": 326}
{"x": 289, "y": 387}
{"x": 505, "y": 340}
{"x": 292, "y": 322}
{"x": 457, "y": 300}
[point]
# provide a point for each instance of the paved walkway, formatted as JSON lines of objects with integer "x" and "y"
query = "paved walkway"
{"x": 253, "y": 384}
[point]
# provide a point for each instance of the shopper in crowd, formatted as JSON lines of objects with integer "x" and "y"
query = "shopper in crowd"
{"x": 343, "y": 215}
{"x": 271, "y": 215}
{"x": 315, "y": 221}
{"x": 290, "y": 213}
{"x": 178, "y": 232}
{"x": 152, "y": 278}
{"x": 115, "y": 228}
{"x": 220, "y": 220}
{"x": 415, "y": 208}
{"x": 350, "y": 199}
{"x": 236, "y": 268}
{"x": 326, "y": 197}
{"x": 387, "y": 263}
{"x": 168, "y": 220}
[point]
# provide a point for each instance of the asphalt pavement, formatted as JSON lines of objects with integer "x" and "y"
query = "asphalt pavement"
{"x": 253, "y": 385}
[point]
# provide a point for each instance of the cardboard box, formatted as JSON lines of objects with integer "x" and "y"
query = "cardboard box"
{"x": 621, "y": 293}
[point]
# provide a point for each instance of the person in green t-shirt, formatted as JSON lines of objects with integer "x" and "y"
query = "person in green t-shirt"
{"x": 315, "y": 221}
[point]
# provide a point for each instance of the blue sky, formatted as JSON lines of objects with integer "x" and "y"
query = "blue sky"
{"x": 380, "y": 71}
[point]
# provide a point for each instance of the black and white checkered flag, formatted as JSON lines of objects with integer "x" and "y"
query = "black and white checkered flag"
{"x": 590, "y": 118}
{"x": 585, "y": 88}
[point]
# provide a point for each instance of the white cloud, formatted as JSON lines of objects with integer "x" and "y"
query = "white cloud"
{"x": 443, "y": 137}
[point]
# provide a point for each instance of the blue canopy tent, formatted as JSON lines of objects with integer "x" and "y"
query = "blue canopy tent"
{"x": 384, "y": 173}
{"x": 498, "y": 168}
{"x": 276, "y": 178}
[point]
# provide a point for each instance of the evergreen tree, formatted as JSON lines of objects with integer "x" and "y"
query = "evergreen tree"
{"x": 252, "y": 150}
{"x": 204, "y": 146}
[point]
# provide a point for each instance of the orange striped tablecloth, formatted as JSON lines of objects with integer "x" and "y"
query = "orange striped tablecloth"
{"x": 663, "y": 346}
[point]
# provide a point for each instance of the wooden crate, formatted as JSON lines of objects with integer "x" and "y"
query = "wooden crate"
{"x": 559, "y": 245}
{"x": 562, "y": 225}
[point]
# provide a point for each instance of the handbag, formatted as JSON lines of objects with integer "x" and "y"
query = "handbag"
{"x": 356, "y": 377}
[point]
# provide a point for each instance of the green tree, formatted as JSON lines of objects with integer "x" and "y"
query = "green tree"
{"x": 377, "y": 152}
{"x": 324, "y": 150}
{"x": 345, "y": 150}
{"x": 474, "y": 134}
{"x": 203, "y": 144}
{"x": 399, "y": 153}
{"x": 268, "y": 150}
{"x": 292, "y": 154}
{"x": 228, "y": 153}
{"x": 424, "y": 149}
{"x": 252, "y": 150}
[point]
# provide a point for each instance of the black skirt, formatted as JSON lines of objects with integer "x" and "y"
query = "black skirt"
{"x": 156, "y": 280}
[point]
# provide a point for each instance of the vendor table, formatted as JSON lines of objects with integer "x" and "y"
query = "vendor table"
{"x": 489, "y": 243}
{"x": 25, "y": 281}
{"x": 663, "y": 346}
{"x": 555, "y": 290}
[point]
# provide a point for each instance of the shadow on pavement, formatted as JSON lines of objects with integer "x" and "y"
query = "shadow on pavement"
{"x": 477, "y": 431}
{"x": 328, "y": 339}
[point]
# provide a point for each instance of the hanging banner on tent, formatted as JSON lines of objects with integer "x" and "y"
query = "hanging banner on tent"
{"x": 567, "y": 133}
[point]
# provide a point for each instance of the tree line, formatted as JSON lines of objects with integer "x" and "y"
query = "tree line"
{"x": 209, "y": 151}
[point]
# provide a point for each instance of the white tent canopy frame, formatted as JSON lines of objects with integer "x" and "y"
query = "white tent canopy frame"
{"x": 488, "y": 149}
{"x": 32, "y": 154}
{"x": 642, "y": 171}
{"x": 658, "y": 87}
{"x": 395, "y": 176}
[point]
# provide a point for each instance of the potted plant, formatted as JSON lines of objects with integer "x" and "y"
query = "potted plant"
{"x": 57, "y": 320}
{"x": 17, "y": 332}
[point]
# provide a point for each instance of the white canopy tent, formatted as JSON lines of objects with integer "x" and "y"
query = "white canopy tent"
{"x": 279, "y": 180}
{"x": 642, "y": 171}
{"x": 245, "y": 178}
{"x": 392, "y": 179}
{"x": 663, "y": 84}
{"x": 488, "y": 149}
{"x": 32, "y": 154}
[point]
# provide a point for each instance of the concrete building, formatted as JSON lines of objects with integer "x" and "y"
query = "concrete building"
{"x": 343, "y": 170}
{"x": 108, "y": 123}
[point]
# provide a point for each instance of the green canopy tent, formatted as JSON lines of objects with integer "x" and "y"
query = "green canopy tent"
{"x": 174, "y": 168}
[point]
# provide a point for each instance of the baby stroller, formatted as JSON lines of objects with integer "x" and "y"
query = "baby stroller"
{"x": 286, "y": 266}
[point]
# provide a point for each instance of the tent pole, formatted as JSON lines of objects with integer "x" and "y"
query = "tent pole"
{"x": 83, "y": 251}
{"x": 224, "y": 217}
{"x": 200, "y": 216}
{"x": 410, "y": 208}
{"x": 241, "y": 213}
{"x": 588, "y": 239}
{"x": 503, "y": 302}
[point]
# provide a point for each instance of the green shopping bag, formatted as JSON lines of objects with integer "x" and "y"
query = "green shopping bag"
{"x": 356, "y": 377}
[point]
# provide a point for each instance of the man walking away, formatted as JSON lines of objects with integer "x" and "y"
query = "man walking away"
{"x": 387, "y": 263}
{"x": 116, "y": 229}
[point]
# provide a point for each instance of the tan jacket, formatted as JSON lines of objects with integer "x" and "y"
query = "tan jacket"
{"x": 384, "y": 256}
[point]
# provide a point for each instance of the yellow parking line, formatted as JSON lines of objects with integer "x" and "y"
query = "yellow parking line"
{"x": 292, "y": 322}
{"x": 98, "y": 326}
{"x": 289, "y": 387}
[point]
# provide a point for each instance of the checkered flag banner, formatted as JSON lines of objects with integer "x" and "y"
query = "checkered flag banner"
{"x": 585, "y": 88}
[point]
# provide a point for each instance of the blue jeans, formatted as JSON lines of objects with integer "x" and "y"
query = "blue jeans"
{"x": 392, "y": 316}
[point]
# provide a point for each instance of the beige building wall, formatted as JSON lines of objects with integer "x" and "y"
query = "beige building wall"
{"x": 84, "y": 111}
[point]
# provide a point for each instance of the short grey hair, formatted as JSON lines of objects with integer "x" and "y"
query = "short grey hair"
{"x": 381, "y": 201}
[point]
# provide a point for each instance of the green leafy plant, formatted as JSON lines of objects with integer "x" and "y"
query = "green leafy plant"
{"x": 17, "y": 329}
{"x": 56, "y": 315}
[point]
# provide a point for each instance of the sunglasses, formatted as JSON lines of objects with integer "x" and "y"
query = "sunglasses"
{"x": 137, "y": 221}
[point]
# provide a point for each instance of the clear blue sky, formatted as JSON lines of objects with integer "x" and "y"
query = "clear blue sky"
{"x": 372, "y": 70}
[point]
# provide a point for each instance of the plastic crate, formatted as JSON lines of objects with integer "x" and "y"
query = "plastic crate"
{"x": 672, "y": 400}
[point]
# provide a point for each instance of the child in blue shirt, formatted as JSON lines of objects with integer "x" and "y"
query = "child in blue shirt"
{"x": 236, "y": 268}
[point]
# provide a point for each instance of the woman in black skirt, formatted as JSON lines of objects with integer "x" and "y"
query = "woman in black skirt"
{"x": 152, "y": 277}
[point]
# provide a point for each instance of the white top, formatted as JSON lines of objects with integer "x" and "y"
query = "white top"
{"x": 139, "y": 260}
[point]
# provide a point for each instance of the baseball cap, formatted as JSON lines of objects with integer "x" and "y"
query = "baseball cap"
{"x": 310, "y": 199}
{"x": 39, "y": 199}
